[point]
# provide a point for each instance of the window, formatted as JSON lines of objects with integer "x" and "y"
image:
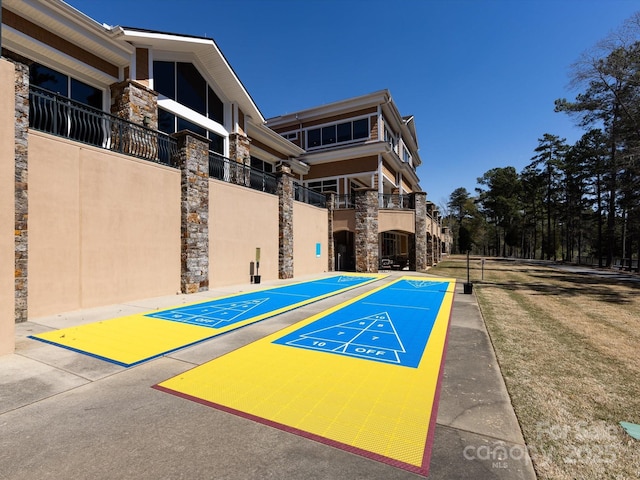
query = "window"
{"x": 329, "y": 135}
{"x": 183, "y": 83}
{"x": 50, "y": 79}
{"x": 170, "y": 123}
{"x": 313, "y": 138}
{"x": 216, "y": 107}
{"x": 191, "y": 88}
{"x": 164, "y": 79}
{"x": 390, "y": 139}
{"x": 406, "y": 156}
{"x": 361, "y": 128}
{"x": 324, "y": 186}
{"x": 344, "y": 132}
{"x": 338, "y": 133}
{"x": 290, "y": 135}
{"x": 261, "y": 165}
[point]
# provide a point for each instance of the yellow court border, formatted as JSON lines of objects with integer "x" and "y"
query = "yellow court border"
{"x": 379, "y": 410}
{"x": 135, "y": 338}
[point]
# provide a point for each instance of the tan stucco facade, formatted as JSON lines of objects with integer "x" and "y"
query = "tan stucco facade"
{"x": 103, "y": 227}
{"x": 402, "y": 220}
{"x": 310, "y": 228}
{"x": 241, "y": 220}
{"x": 7, "y": 171}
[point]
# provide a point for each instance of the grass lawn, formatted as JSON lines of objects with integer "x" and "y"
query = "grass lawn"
{"x": 568, "y": 345}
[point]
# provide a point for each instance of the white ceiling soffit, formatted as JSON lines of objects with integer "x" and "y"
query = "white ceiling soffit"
{"x": 68, "y": 23}
{"x": 208, "y": 55}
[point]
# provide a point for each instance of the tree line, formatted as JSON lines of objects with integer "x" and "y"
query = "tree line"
{"x": 580, "y": 202}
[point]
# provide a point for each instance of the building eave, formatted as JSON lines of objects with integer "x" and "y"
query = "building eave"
{"x": 208, "y": 55}
{"x": 66, "y": 22}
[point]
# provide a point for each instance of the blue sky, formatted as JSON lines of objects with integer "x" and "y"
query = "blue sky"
{"x": 480, "y": 76}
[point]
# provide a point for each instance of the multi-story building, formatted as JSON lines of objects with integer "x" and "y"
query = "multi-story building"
{"x": 361, "y": 144}
{"x": 134, "y": 163}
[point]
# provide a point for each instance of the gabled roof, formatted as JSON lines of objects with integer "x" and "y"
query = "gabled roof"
{"x": 206, "y": 53}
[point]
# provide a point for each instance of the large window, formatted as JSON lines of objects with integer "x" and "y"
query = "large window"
{"x": 54, "y": 81}
{"x": 324, "y": 186}
{"x": 183, "y": 83}
{"x": 170, "y": 123}
{"x": 343, "y": 132}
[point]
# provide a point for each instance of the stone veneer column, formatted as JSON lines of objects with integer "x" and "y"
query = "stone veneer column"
{"x": 21, "y": 189}
{"x": 285, "y": 222}
{"x": 431, "y": 237}
{"x": 135, "y": 102}
{"x": 331, "y": 253}
{"x": 419, "y": 253}
{"x": 366, "y": 236}
{"x": 193, "y": 161}
{"x": 239, "y": 148}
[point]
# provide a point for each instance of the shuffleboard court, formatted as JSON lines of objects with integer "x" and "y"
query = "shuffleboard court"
{"x": 133, "y": 339}
{"x": 362, "y": 376}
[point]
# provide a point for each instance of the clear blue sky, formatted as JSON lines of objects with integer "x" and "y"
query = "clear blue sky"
{"x": 480, "y": 76}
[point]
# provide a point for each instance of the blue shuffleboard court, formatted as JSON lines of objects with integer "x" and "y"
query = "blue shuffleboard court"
{"x": 391, "y": 325}
{"x": 225, "y": 312}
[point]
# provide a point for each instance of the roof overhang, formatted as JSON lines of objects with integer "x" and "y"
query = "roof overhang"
{"x": 205, "y": 53}
{"x": 62, "y": 20}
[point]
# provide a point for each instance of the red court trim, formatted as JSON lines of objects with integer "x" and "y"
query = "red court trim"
{"x": 342, "y": 446}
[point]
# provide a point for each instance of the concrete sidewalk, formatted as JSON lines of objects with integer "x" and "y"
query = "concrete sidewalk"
{"x": 64, "y": 415}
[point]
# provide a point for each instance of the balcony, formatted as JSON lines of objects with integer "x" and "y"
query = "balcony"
{"x": 385, "y": 202}
{"x": 61, "y": 116}
{"x": 230, "y": 171}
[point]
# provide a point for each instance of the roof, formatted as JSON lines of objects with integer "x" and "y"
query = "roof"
{"x": 207, "y": 55}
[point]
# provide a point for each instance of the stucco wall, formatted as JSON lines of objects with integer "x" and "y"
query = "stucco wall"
{"x": 344, "y": 220}
{"x": 403, "y": 220}
{"x": 241, "y": 220}
{"x": 7, "y": 112}
{"x": 103, "y": 228}
{"x": 310, "y": 227}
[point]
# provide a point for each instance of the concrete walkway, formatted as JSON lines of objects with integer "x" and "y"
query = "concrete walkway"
{"x": 64, "y": 415}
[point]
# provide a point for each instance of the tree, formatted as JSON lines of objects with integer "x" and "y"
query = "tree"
{"x": 500, "y": 204}
{"x": 611, "y": 74}
{"x": 548, "y": 161}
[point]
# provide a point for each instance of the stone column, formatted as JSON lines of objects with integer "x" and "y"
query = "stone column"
{"x": 193, "y": 161}
{"x": 418, "y": 260}
{"x": 331, "y": 253}
{"x": 21, "y": 188}
{"x": 366, "y": 235}
{"x": 285, "y": 222}
{"x": 135, "y": 102}
{"x": 138, "y": 104}
{"x": 239, "y": 150}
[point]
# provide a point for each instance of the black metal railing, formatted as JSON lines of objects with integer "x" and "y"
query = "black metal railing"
{"x": 59, "y": 115}
{"x": 230, "y": 171}
{"x": 306, "y": 195}
{"x": 344, "y": 202}
{"x": 396, "y": 201}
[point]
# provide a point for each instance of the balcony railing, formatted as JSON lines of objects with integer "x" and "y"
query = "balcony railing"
{"x": 396, "y": 201}
{"x": 59, "y": 115}
{"x": 306, "y": 195}
{"x": 230, "y": 171}
{"x": 344, "y": 202}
